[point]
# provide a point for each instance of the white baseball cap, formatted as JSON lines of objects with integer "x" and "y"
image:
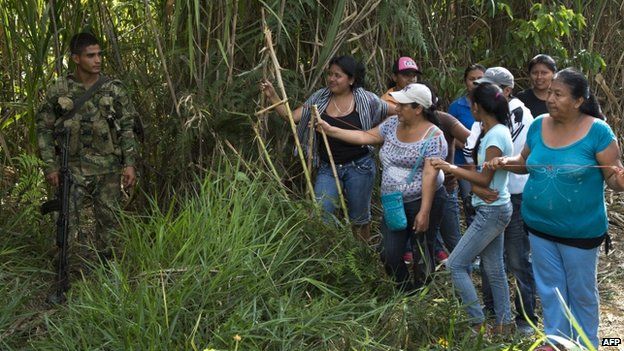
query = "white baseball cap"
{"x": 415, "y": 92}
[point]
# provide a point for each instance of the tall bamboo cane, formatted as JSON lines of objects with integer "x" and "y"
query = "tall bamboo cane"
{"x": 161, "y": 55}
{"x": 268, "y": 159}
{"x": 58, "y": 59}
{"x": 343, "y": 204}
{"x": 291, "y": 120}
{"x": 310, "y": 141}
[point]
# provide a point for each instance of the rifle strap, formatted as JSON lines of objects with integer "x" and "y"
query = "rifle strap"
{"x": 82, "y": 99}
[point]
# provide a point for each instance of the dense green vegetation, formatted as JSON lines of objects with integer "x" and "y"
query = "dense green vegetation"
{"x": 230, "y": 256}
{"x": 215, "y": 246}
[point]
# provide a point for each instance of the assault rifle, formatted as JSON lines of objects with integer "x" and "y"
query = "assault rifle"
{"x": 61, "y": 204}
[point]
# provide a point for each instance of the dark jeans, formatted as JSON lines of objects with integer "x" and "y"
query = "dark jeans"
{"x": 449, "y": 226}
{"x": 394, "y": 242}
{"x": 517, "y": 260}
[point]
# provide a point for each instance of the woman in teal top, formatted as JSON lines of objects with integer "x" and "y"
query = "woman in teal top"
{"x": 484, "y": 236}
{"x": 564, "y": 207}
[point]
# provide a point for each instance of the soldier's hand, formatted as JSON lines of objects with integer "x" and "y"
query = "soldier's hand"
{"x": 54, "y": 178}
{"x": 129, "y": 177}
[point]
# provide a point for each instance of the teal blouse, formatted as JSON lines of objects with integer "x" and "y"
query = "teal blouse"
{"x": 562, "y": 198}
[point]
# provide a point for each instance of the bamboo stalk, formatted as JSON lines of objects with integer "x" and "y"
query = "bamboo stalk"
{"x": 148, "y": 12}
{"x": 291, "y": 120}
{"x": 58, "y": 62}
{"x": 267, "y": 109}
{"x": 343, "y": 204}
{"x": 107, "y": 24}
{"x": 263, "y": 117}
{"x": 310, "y": 141}
{"x": 232, "y": 43}
{"x": 267, "y": 156}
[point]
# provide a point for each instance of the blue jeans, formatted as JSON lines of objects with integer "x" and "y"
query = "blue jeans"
{"x": 571, "y": 271}
{"x": 356, "y": 179}
{"x": 517, "y": 260}
{"x": 449, "y": 226}
{"x": 394, "y": 242}
{"x": 484, "y": 237}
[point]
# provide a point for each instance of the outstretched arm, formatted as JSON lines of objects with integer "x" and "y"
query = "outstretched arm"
{"x": 514, "y": 164}
{"x": 356, "y": 137}
{"x": 614, "y": 176}
{"x": 482, "y": 179}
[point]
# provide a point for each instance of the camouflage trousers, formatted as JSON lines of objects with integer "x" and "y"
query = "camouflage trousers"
{"x": 93, "y": 208}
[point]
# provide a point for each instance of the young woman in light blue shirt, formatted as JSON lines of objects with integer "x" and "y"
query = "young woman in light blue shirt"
{"x": 484, "y": 236}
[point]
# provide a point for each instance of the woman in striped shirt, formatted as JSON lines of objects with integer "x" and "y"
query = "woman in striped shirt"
{"x": 346, "y": 104}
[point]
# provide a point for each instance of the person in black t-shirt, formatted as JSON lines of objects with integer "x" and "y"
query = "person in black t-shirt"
{"x": 542, "y": 68}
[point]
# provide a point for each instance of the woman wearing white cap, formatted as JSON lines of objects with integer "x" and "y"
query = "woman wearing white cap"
{"x": 408, "y": 139}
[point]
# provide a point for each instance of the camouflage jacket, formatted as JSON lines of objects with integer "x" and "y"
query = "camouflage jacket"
{"x": 101, "y": 136}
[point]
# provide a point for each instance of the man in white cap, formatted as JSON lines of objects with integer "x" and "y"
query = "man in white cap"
{"x": 517, "y": 248}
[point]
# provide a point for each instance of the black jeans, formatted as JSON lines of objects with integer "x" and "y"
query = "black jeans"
{"x": 394, "y": 242}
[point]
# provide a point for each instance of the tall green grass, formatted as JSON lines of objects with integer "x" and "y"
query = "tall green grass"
{"x": 231, "y": 257}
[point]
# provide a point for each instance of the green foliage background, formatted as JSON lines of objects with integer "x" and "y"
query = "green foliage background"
{"x": 193, "y": 65}
{"x": 185, "y": 278}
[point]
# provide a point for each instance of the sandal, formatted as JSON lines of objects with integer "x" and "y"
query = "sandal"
{"x": 503, "y": 330}
{"x": 478, "y": 329}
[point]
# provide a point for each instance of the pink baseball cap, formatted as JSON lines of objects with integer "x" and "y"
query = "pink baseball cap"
{"x": 406, "y": 63}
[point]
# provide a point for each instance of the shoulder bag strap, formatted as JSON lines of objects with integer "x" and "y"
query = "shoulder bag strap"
{"x": 82, "y": 99}
{"x": 431, "y": 132}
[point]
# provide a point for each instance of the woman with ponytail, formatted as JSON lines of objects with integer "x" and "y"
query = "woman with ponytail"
{"x": 570, "y": 154}
{"x": 346, "y": 104}
{"x": 484, "y": 236}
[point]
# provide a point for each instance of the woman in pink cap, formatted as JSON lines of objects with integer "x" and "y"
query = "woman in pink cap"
{"x": 404, "y": 71}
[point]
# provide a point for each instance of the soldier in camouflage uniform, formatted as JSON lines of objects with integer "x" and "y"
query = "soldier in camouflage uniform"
{"x": 101, "y": 145}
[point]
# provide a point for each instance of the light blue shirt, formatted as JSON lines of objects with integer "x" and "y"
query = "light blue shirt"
{"x": 499, "y": 137}
{"x": 566, "y": 200}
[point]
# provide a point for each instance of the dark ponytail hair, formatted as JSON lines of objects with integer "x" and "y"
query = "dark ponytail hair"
{"x": 579, "y": 88}
{"x": 492, "y": 100}
{"x": 431, "y": 112}
{"x": 351, "y": 68}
